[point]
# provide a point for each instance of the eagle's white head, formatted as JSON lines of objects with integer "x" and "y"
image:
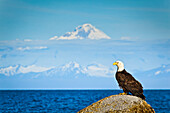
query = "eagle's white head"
{"x": 119, "y": 65}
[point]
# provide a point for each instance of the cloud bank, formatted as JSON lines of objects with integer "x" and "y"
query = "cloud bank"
{"x": 32, "y": 48}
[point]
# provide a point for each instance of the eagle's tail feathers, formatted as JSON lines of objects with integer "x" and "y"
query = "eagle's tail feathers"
{"x": 142, "y": 96}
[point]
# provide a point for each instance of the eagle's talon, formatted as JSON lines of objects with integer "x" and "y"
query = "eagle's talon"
{"x": 123, "y": 93}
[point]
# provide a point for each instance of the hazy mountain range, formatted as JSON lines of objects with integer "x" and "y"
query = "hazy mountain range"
{"x": 74, "y": 70}
{"x": 70, "y": 69}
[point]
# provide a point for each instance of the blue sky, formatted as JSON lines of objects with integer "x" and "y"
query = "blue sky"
{"x": 44, "y": 19}
{"x": 139, "y": 31}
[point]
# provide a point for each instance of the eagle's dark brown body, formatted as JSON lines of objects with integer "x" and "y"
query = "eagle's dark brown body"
{"x": 129, "y": 84}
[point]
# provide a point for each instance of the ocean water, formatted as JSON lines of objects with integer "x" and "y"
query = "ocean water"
{"x": 70, "y": 101}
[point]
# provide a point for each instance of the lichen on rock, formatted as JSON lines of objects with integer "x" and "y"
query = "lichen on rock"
{"x": 119, "y": 104}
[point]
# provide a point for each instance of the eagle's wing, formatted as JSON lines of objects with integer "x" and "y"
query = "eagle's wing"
{"x": 129, "y": 84}
{"x": 121, "y": 78}
{"x": 132, "y": 85}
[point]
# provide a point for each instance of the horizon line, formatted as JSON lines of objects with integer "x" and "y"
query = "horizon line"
{"x": 76, "y": 89}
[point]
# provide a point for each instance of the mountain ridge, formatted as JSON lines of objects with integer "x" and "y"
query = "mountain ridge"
{"x": 85, "y": 31}
{"x": 75, "y": 69}
{"x": 71, "y": 68}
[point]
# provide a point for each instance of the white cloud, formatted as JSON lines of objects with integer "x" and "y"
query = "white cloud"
{"x": 27, "y": 40}
{"x": 41, "y": 47}
{"x": 125, "y": 38}
{"x": 99, "y": 70}
{"x": 128, "y": 38}
{"x": 54, "y": 38}
{"x": 31, "y": 48}
{"x": 23, "y": 48}
{"x": 158, "y": 72}
{"x": 168, "y": 70}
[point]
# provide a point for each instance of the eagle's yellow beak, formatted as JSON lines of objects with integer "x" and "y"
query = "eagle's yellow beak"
{"x": 115, "y": 63}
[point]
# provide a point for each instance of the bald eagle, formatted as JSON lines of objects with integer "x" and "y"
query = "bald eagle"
{"x": 127, "y": 82}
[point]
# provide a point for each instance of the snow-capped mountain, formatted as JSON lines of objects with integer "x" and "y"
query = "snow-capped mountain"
{"x": 19, "y": 69}
{"x": 72, "y": 69}
{"x": 85, "y": 31}
{"x": 73, "y": 66}
{"x": 11, "y": 70}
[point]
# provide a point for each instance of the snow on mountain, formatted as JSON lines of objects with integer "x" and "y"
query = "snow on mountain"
{"x": 73, "y": 66}
{"x": 76, "y": 70}
{"x": 19, "y": 69}
{"x": 85, "y": 31}
{"x": 11, "y": 70}
{"x": 72, "y": 69}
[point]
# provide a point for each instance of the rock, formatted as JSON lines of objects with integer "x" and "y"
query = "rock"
{"x": 119, "y": 104}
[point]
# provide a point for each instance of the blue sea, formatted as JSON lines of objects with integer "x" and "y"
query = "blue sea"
{"x": 70, "y": 101}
